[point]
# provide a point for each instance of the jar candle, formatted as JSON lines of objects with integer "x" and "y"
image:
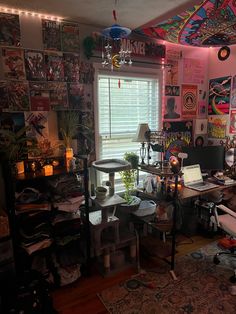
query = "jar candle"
{"x": 48, "y": 170}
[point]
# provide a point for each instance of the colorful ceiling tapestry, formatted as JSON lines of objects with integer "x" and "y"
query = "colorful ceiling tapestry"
{"x": 210, "y": 23}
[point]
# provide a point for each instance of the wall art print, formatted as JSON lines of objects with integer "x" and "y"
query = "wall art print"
{"x": 219, "y": 95}
{"x": 189, "y": 100}
{"x": 18, "y": 95}
{"x": 193, "y": 71}
{"x": 10, "y": 30}
{"x": 172, "y": 108}
{"x": 201, "y": 126}
{"x": 171, "y": 90}
{"x": 54, "y": 65}
{"x": 4, "y": 103}
{"x": 75, "y": 95}
{"x": 72, "y": 67}
{"x": 217, "y": 127}
{"x": 13, "y": 121}
{"x": 178, "y": 134}
{"x": 34, "y": 65}
{"x": 172, "y": 72}
{"x": 86, "y": 73}
{"x": 233, "y": 93}
{"x": 58, "y": 95}
{"x": 51, "y": 35}
{"x": 232, "y": 125}
{"x": 38, "y": 122}
{"x": 70, "y": 37}
{"x": 39, "y": 96}
{"x": 13, "y": 63}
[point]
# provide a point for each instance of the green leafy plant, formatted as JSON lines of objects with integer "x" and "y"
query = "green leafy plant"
{"x": 16, "y": 146}
{"x": 129, "y": 176}
{"x": 69, "y": 126}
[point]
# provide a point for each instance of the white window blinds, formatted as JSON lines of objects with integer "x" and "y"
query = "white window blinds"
{"x": 123, "y": 103}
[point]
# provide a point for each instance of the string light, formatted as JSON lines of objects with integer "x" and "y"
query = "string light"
{"x": 31, "y": 13}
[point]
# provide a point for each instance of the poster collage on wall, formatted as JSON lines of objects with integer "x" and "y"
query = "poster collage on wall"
{"x": 51, "y": 79}
{"x": 185, "y": 105}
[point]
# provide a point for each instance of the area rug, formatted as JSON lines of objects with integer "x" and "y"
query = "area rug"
{"x": 201, "y": 287}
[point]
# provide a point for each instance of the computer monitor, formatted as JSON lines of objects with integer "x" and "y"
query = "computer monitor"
{"x": 209, "y": 157}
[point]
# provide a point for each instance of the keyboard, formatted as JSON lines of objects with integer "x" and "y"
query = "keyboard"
{"x": 203, "y": 187}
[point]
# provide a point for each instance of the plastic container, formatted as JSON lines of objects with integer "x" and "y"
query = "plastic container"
{"x": 147, "y": 207}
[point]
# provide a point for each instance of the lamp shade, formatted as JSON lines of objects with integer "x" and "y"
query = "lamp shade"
{"x": 141, "y": 132}
{"x": 116, "y": 32}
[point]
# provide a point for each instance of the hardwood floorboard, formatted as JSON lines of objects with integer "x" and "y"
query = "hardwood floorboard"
{"x": 81, "y": 296}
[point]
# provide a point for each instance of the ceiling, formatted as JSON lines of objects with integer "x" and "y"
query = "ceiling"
{"x": 130, "y": 13}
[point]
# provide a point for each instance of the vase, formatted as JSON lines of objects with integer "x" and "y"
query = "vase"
{"x": 20, "y": 167}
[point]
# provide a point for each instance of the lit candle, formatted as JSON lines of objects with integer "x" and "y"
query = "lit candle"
{"x": 48, "y": 170}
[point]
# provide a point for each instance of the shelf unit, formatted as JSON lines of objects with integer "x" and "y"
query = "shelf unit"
{"x": 45, "y": 230}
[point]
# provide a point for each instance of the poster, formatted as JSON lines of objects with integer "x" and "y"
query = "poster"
{"x": 18, "y": 93}
{"x": 72, "y": 67}
{"x": 201, "y": 126}
{"x": 34, "y": 65}
{"x": 4, "y": 96}
{"x": 13, "y": 121}
{"x": 189, "y": 100}
{"x": 86, "y": 73}
{"x": 38, "y": 122}
{"x": 58, "y": 95}
{"x": 219, "y": 96}
{"x": 54, "y": 66}
{"x": 39, "y": 96}
{"x": 51, "y": 35}
{"x": 172, "y": 90}
{"x": 13, "y": 63}
{"x": 217, "y": 126}
{"x": 172, "y": 108}
{"x": 232, "y": 125}
{"x": 75, "y": 95}
{"x": 193, "y": 71}
{"x": 172, "y": 72}
{"x": 177, "y": 134}
{"x": 10, "y": 30}
{"x": 70, "y": 37}
{"x": 233, "y": 93}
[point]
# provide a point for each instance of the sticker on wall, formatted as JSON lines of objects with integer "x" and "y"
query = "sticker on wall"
{"x": 217, "y": 127}
{"x": 54, "y": 65}
{"x": 172, "y": 90}
{"x": 201, "y": 126}
{"x": 13, "y": 63}
{"x": 10, "y": 30}
{"x": 51, "y": 35}
{"x": 172, "y": 108}
{"x": 193, "y": 71}
{"x": 172, "y": 72}
{"x": 178, "y": 134}
{"x": 39, "y": 96}
{"x": 232, "y": 125}
{"x": 4, "y": 104}
{"x": 70, "y": 37}
{"x": 72, "y": 67}
{"x": 58, "y": 95}
{"x": 219, "y": 95}
{"x": 18, "y": 93}
{"x": 189, "y": 100}
{"x": 34, "y": 65}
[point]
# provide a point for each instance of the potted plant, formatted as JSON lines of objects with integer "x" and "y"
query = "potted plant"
{"x": 15, "y": 147}
{"x": 129, "y": 178}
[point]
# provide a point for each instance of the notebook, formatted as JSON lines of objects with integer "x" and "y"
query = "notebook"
{"x": 193, "y": 179}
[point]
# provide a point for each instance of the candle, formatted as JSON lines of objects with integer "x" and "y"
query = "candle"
{"x": 48, "y": 170}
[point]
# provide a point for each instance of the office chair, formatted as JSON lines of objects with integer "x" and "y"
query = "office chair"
{"x": 226, "y": 222}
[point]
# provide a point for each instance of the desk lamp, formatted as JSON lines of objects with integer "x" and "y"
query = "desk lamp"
{"x": 141, "y": 136}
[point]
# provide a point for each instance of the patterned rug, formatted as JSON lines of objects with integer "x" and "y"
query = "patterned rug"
{"x": 201, "y": 287}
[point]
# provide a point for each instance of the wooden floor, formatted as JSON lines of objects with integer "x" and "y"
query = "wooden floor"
{"x": 81, "y": 296}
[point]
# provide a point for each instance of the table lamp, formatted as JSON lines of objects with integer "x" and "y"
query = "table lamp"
{"x": 141, "y": 136}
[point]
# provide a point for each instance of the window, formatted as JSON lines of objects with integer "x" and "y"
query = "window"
{"x": 124, "y": 101}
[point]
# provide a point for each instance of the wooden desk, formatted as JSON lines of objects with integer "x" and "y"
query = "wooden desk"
{"x": 186, "y": 193}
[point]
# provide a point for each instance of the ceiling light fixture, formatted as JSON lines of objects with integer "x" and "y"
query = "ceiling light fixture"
{"x": 113, "y": 54}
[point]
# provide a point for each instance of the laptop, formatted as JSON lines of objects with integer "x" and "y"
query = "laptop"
{"x": 193, "y": 179}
